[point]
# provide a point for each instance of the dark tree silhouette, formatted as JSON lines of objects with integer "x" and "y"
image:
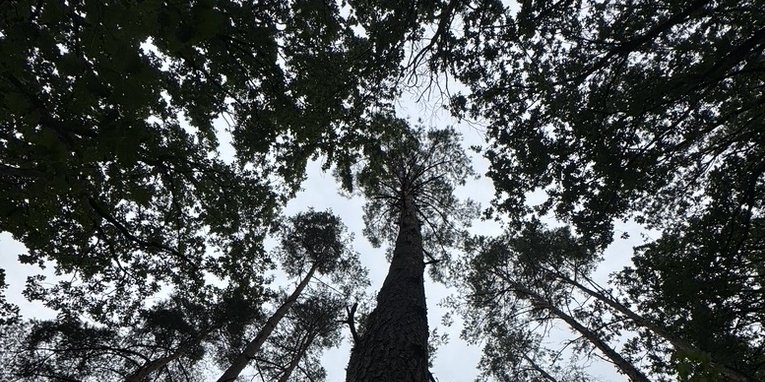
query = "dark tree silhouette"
{"x": 510, "y": 292}
{"x": 516, "y": 283}
{"x": 650, "y": 110}
{"x": 109, "y": 160}
{"x": 313, "y": 243}
{"x": 168, "y": 339}
{"x": 408, "y": 178}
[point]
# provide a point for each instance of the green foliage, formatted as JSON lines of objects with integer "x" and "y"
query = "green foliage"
{"x": 69, "y": 349}
{"x": 415, "y": 165}
{"x": 9, "y": 313}
{"x": 312, "y": 237}
{"x": 616, "y": 108}
{"x": 110, "y": 168}
{"x": 319, "y": 239}
{"x": 703, "y": 287}
{"x": 196, "y": 325}
{"x": 109, "y": 160}
{"x": 510, "y": 286}
{"x": 633, "y": 109}
{"x": 109, "y": 157}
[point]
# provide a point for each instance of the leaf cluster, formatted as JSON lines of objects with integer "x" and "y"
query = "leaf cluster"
{"x": 616, "y": 108}
{"x": 109, "y": 158}
{"x": 413, "y": 167}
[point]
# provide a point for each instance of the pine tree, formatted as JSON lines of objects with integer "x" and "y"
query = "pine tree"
{"x": 408, "y": 177}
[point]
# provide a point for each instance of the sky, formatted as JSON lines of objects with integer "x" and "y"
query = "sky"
{"x": 455, "y": 361}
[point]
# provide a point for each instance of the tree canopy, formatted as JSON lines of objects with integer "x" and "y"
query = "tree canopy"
{"x": 425, "y": 164}
{"x": 616, "y": 109}
{"x": 118, "y": 176}
{"x": 170, "y": 338}
{"x": 408, "y": 177}
{"x": 108, "y": 146}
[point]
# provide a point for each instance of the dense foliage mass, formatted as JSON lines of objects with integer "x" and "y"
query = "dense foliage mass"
{"x": 617, "y": 108}
{"x": 110, "y": 166}
{"x": 169, "y": 339}
{"x": 650, "y": 110}
{"x": 114, "y": 176}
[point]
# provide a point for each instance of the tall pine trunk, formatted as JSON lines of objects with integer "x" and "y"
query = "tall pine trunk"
{"x": 144, "y": 371}
{"x": 394, "y": 344}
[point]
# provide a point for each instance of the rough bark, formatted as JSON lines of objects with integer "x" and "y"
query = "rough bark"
{"x": 253, "y": 347}
{"x": 394, "y": 344}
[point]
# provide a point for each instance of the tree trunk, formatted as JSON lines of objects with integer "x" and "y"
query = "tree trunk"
{"x": 539, "y": 369}
{"x": 298, "y": 356}
{"x": 625, "y": 366}
{"x": 144, "y": 371}
{"x": 677, "y": 342}
{"x": 394, "y": 344}
{"x": 253, "y": 347}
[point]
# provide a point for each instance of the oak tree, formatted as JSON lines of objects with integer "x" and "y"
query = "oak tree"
{"x": 632, "y": 109}
{"x": 110, "y": 165}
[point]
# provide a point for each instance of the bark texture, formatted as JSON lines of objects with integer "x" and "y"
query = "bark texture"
{"x": 394, "y": 343}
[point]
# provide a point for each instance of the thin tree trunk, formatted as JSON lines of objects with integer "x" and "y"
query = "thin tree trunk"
{"x": 144, "y": 371}
{"x": 298, "y": 356}
{"x": 620, "y": 362}
{"x": 394, "y": 344}
{"x": 152, "y": 366}
{"x": 253, "y": 347}
{"x": 539, "y": 369}
{"x": 677, "y": 343}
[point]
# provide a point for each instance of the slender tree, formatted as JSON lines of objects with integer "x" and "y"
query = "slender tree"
{"x": 294, "y": 349}
{"x": 648, "y": 110}
{"x": 312, "y": 243}
{"x": 519, "y": 282}
{"x": 509, "y": 293}
{"x": 169, "y": 338}
{"x": 408, "y": 178}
